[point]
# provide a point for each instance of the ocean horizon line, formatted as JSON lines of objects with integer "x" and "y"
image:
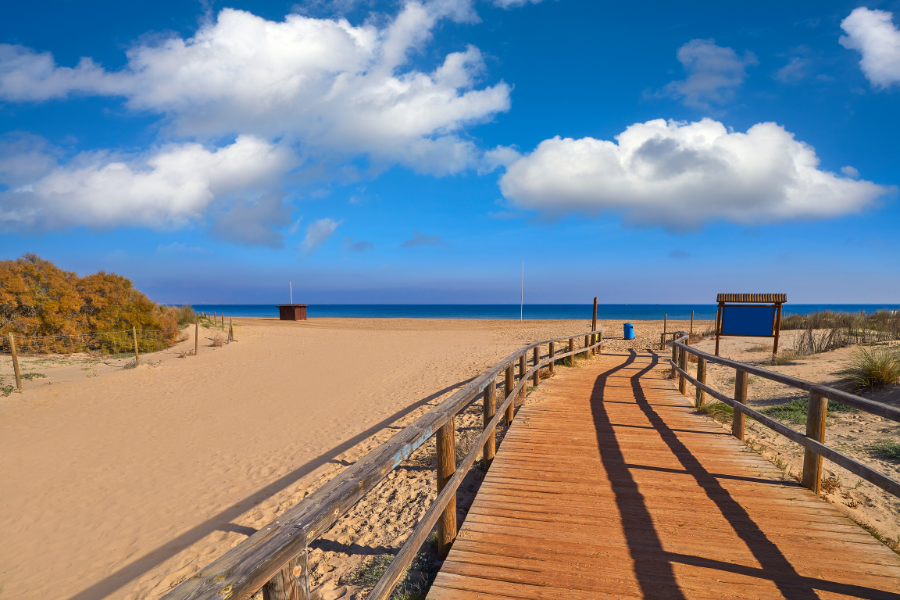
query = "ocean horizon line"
{"x": 549, "y": 311}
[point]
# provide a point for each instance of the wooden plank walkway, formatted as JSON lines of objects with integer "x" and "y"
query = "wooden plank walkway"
{"x": 614, "y": 487}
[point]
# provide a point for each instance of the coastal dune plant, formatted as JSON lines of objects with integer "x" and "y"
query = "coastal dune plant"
{"x": 873, "y": 368}
{"x": 38, "y": 299}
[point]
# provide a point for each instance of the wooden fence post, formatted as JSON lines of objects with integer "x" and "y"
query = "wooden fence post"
{"x": 15, "y": 359}
{"x": 134, "y": 335}
{"x": 230, "y": 330}
{"x": 446, "y": 466}
{"x": 552, "y": 362}
{"x": 700, "y": 400}
{"x": 692, "y": 324}
{"x": 571, "y": 349}
{"x": 196, "y": 337}
{"x": 815, "y": 430}
{"x": 674, "y": 356}
{"x": 536, "y": 358}
{"x": 510, "y": 384}
{"x": 600, "y": 343}
{"x": 586, "y": 344}
{"x": 740, "y": 395}
{"x": 490, "y": 408}
{"x": 682, "y": 363}
{"x": 292, "y": 582}
{"x": 662, "y": 341}
{"x": 522, "y": 359}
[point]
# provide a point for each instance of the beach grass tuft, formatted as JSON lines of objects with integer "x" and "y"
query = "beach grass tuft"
{"x": 873, "y": 368}
{"x": 887, "y": 449}
{"x": 719, "y": 411}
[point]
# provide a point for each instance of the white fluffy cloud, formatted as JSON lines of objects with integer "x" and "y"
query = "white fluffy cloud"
{"x": 714, "y": 73}
{"x": 326, "y": 85}
{"x": 681, "y": 175}
{"x": 316, "y": 93}
{"x": 165, "y": 188}
{"x": 873, "y": 34}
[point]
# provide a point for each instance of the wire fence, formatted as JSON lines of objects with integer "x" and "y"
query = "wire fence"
{"x": 110, "y": 343}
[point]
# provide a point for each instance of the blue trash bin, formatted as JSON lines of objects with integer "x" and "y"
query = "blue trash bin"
{"x": 629, "y": 331}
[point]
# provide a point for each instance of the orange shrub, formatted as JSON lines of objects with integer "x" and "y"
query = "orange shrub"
{"x": 37, "y": 299}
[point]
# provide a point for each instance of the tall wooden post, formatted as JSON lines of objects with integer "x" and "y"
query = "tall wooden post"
{"x": 600, "y": 343}
{"x": 490, "y": 409}
{"x": 665, "y": 323}
{"x": 692, "y": 323}
{"x": 552, "y": 362}
{"x": 682, "y": 364}
{"x": 815, "y": 430}
{"x": 510, "y": 384}
{"x": 134, "y": 335}
{"x": 230, "y": 330}
{"x": 223, "y": 321}
{"x": 15, "y": 359}
{"x": 571, "y": 349}
{"x": 700, "y": 399}
{"x": 196, "y": 337}
{"x": 292, "y": 582}
{"x": 594, "y": 318}
{"x": 778, "y": 308}
{"x": 446, "y": 466}
{"x": 740, "y": 395}
{"x": 718, "y": 326}
{"x": 586, "y": 344}
{"x": 536, "y": 358}
{"x": 662, "y": 341}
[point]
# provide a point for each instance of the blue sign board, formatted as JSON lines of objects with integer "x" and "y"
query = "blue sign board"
{"x": 748, "y": 320}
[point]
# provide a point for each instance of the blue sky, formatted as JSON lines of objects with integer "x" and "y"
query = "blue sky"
{"x": 420, "y": 151}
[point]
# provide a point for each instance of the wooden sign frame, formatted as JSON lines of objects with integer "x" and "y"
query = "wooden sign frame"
{"x": 777, "y": 301}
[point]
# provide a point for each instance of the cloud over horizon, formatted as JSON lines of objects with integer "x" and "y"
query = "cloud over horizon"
{"x": 682, "y": 175}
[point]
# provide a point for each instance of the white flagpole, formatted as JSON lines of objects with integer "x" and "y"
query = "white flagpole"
{"x": 522, "y": 306}
{"x": 292, "y": 291}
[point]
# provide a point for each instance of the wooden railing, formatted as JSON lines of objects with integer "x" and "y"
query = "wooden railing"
{"x": 275, "y": 557}
{"x": 813, "y": 441}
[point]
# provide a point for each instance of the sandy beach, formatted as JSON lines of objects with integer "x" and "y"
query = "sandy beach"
{"x": 123, "y": 482}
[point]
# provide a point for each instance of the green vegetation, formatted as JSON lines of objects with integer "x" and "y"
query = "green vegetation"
{"x": 874, "y": 368}
{"x": 30, "y": 376}
{"x": 37, "y": 299}
{"x": 795, "y": 410}
{"x": 414, "y": 585}
{"x": 719, "y": 411}
{"x": 887, "y": 449}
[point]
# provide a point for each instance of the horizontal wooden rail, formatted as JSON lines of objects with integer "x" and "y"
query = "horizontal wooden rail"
{"x": 276, "y": 554}
{"x": 811, "y": 445}
{"x": 385, "y": 585}
{"x": 876, "y": 408}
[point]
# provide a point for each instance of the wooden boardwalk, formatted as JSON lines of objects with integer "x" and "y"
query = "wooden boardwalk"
{"x": 613, "y": 487}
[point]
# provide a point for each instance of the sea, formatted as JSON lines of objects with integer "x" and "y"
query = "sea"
{"x": 637, "y": 312}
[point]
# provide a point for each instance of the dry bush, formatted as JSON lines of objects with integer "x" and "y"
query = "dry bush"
{"x": 694, "y": 338}
{"x": 219, "y": 340}
{"x": 39, "y": 299}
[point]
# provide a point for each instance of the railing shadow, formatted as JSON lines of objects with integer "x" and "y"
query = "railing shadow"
{"x": 653, "y": 565}
{"x": 221, "y": 521}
